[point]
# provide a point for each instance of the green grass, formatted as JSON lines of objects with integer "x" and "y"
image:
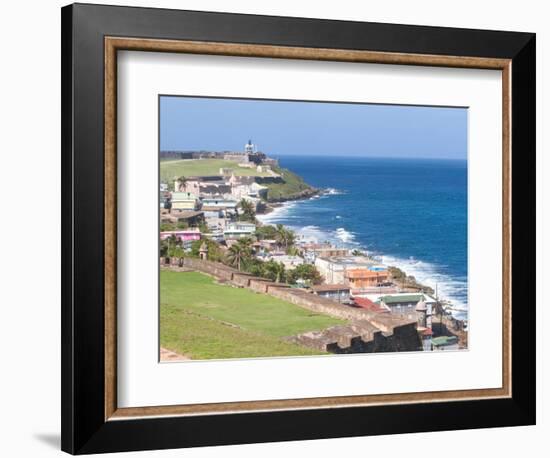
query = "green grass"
{"x": 201, "y": 167}
{"x": 206, "y": 320}
{"x": 293, "y": 185}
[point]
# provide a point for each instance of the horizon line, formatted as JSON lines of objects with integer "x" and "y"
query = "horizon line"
{"x": 273, "y": 156}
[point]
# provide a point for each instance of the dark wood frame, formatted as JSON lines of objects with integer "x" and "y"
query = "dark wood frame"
{"x": 91, "y": 36}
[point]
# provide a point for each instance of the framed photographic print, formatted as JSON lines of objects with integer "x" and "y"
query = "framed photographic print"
{"x": 282, "y": 228}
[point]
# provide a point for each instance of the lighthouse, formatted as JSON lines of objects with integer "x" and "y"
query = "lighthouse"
{"x": 249, "y": 147}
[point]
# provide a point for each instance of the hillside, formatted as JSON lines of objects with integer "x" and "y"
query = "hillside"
{"x": 294, "y": 187}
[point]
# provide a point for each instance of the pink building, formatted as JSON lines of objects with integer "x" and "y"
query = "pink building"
{"x": 184, "y": 235}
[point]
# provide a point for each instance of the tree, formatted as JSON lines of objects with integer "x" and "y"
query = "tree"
{"x": 267, "y": 232}
{"x": 275, "y": 271}
{"x": 176, "y": 252}
{"x": 248, "y": 211}
{"x": 240, "y": 252}
{"x": 167, "y": 227}
{"x": 169, "y": 244}
{"x": 215, "y": 252}
{"x": 181, "y": 183}
{"x": 293, "y": 250}
{"x": 255, "y": 267}
{"x": 306, "y": 272}
{"x": 284, "y": 237}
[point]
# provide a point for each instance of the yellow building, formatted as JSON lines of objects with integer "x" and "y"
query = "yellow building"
{"x": 184, "y": 201}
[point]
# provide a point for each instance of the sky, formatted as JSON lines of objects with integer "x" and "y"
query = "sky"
{"x": 281, "y": 128}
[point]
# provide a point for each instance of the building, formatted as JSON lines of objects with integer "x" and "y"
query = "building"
{"x": 337, "y": 293}
{"x": 241, "y": 158}
{"x": 219, "y": 204}
{"x": 185, "y": 235}
{"x": 445, "y": 343}
{"x": 249, "y": 191}
{"x": 290, "y": 262}
{"x": 426, "y": 336}
{"x": 165, "y": 200}
{"x": 406, "y": 304}
{"x": 207, "y": 188}
{"x": 271, "y": 162}
{"x": 334, "y": 268}
{"x": 249, "y": 148}
{"x": 184, "y": 201}
{"x": 238, "y": 230}
{"x": 312, "y": 251}
{"x": 226, "y": 171}
{"x": 367, "y": 304}
{"x": 189, "y": 217}
{"x": 366, "y": 278}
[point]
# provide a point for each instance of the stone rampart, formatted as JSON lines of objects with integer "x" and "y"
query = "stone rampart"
{"x": 367, "y": 332}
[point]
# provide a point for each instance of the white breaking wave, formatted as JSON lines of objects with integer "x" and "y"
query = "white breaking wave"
{"x": 344, "y": 236}
{"x": 447, "y": 288}
{"x": 333, "y": 192}
{"x": 277, "y": 214}
{"x": 426, "y": 273}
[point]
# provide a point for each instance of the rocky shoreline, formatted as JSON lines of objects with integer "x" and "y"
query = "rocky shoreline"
{"x": 305, "y": 194}
{"x": 403, "y": 280}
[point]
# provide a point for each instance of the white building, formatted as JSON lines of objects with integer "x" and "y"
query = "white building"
{"x": 250, "y": 148}
{"x": 334, "y": 268}
{"x": 290, "y": 262}
{"x": 238, "y": 230}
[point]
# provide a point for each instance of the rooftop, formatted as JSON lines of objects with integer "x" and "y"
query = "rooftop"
{"x": 444, "y": 340}
{"x": 365, "y": 303}
{"x": 186, "y": 214}
{"x": 349, "y": 260}
{"x": 321, "y": 288}
{"x": 364, "y": 273}
{"x": 183, "y": 196}
{"x": 400, "y": 298}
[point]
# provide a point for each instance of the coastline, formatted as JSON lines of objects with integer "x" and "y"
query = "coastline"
{"x": 275, "y": 212}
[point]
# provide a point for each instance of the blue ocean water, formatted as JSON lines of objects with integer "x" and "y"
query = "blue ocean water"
{"x": 410, "y": 212}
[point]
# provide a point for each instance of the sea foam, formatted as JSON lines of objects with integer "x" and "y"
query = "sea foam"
{"x": 452, "y": 290}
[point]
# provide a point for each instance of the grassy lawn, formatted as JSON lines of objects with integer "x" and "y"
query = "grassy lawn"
{"x": 205, "y": 320}
{"x": 201, "y": 167}
{"x": 292, "y": 186}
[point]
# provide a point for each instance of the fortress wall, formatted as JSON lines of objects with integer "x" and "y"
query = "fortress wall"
{"x": 370, "y": 331}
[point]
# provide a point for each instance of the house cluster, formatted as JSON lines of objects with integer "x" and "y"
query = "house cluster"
{"x": 364, "y": 282}
{"x": 213, "y": 201}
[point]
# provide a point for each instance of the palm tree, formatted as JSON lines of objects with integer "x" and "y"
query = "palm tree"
{"x": 248, "y": 212}
{"x": 240, "y": 252}
{"x": 181, "y": 183}
{"x": 284, "y": 236}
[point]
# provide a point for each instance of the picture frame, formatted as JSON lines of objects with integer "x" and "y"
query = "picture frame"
{"x": 92, "y": 35}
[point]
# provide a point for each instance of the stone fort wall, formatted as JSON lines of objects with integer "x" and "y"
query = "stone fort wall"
{"x": 370, "y": 331}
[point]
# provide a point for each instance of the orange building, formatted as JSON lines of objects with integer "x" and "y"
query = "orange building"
{"x": 365, "y": 278}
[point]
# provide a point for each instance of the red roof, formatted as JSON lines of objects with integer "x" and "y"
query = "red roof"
{"x": 367, "y": 304}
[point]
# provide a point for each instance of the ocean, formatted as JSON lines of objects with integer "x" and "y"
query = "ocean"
{"x": 412, "y": 213}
